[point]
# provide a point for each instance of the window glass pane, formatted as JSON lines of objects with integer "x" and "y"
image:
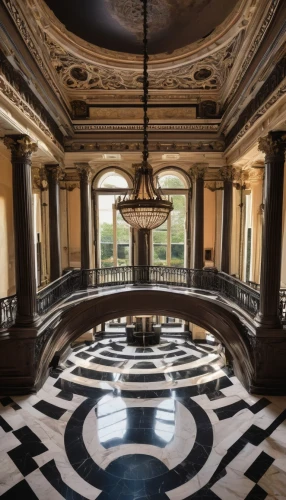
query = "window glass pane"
{"x": 106, "y": 230}
{"x": 171, "y": 181}
{"x": 160, "y": 255}
{"x": 178, "y": 224}
{"x": 160, "y": 234}
{"x": 177, "y": 255}
{"x": 112, "y": 181}
{"x": 123, "y": 241}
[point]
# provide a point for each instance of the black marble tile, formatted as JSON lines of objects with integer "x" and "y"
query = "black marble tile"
{"x": 146, "y": 378}
{"x": 204, "y": 493}
{"x": 257, "y": 493}
{"x": 169, "y": 347}
{"x": 69, "y": 363}
{"x": 107, "y": 362}
{"x": 136, "y": 467}
{"x": 230, "y": 410}
{"x": 31, "y": 446}
{"x": 185, "y": 360}
{"x": 49, "y": 409}
{"x": 52, "y": 474}
{"x": 259, "y": 467}
{"x": 16, "y": 407}
{"x": 67, "y": 396}
{"x": 191, "y": 372}
{"x": 56, "y": 372}
{"x": 143, "y": 365}
{"x": 95, "y": 375}
{"x": 83, "y": 355}
{"x": 143, "y": 349}
{"x": 5, "y": 426}
{"x": 148, "y": 356}
{"x": 6, "y": 401}
{"x": 21, "y": 490}
{"x": 215, "y": 395}
{"x": 174, "y": 354}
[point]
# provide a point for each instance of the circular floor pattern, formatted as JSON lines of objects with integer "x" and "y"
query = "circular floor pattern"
{"x": 129, "y": 423}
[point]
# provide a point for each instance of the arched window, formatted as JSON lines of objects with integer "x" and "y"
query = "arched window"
{"x": 113, "y": 234}
{"x": 169, "y": 240}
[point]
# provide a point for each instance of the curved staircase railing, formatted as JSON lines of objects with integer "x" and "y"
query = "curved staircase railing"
{"x": 208, "y": 279}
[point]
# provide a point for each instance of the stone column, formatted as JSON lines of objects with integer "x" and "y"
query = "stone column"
{"x": 143, "y": 247}
{"x": 197, "y": 173}
{"x": 54, "y": 173}
{"x": 273, "y": 146}
{"x": 256, "y": 177}
{"x": 226, "y": 174}
{"x": 85, "y": 173}
{"x": 22, "y": 148}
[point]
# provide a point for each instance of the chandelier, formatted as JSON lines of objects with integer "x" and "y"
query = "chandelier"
{"x": 144, "y": 208}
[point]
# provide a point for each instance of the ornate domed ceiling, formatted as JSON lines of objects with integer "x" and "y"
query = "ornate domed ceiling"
{"x": 116, "y": 24}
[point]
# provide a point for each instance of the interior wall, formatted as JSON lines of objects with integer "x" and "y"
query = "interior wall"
{"x": 283, "y": 268}
{"x": 7, "y": 252}
{"x": 74, "y": 227}
{"x": 209, "y": 220}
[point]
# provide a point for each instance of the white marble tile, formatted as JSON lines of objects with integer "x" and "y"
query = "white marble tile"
{"x": 9, "y": 473}
{"x": 42, "y": 487}
{"x": 232, "y": 486}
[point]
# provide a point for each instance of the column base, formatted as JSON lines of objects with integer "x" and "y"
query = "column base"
{"x": 27, "y": 321}
{"x": 268, "y": 321}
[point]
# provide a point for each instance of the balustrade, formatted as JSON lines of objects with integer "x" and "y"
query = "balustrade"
{"x": 245, "y": 296}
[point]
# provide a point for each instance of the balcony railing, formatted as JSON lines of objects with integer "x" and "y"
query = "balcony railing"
{"x": 245, "y": 296}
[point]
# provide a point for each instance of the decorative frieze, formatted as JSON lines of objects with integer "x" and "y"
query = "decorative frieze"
{"x": 195, "y": 146}
{"x": 191, "y": 127}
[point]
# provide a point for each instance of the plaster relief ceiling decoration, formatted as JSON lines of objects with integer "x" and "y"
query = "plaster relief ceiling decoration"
{"x": 117, "y": 24}
{"x": 208, "y": 74}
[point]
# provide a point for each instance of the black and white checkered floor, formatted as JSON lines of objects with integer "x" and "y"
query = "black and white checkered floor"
{"x": 128, "y": 423}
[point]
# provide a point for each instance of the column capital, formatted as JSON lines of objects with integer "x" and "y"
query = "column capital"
{"x": 273, "y": 146}
{"x": 84, "y": 170}
{"x": 198, "y": 170}
{"x": 54, "y": 172}
{"x": 21, "y": 147}
{"x": 227, "y": 172}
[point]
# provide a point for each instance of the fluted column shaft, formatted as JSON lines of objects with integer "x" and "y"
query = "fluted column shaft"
{"x": 226, "y": 173}
{"x": 197, "y": 173}
{"x": 274, "y": 148}
{"x": 53, "y": 176}
{"x": 21, "y": 151}
{"x": 85, "y": 173}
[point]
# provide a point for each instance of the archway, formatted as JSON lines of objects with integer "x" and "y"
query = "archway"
{"x": 208, "y": 313}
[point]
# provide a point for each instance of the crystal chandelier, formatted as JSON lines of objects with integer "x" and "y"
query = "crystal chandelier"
{"x": 144, "y": 208}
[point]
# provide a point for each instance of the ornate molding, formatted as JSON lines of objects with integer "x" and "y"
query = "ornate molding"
{"x": 198, "y": 171}
{"x": 16, "y": 90}
{"x": 54, "y": 173}
{"x": 39, "y": 178}
{"x": 273, "y": 146}
{"x": 271, "y": 91}
{"x": 192, "y": 127}
{"x": 208, "y": 73}
{"x": 85, "y": 171}
{"x": 254, "y": 47}
{"x": 21, "y": 147}
{"x": 194, "y": 146}
{"x": 227, "y": 172}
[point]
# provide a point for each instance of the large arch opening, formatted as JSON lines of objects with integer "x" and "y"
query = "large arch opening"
{"x": 207, "y": 312}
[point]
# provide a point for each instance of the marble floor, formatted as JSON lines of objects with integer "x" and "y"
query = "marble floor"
{"x": 128, "y": 423}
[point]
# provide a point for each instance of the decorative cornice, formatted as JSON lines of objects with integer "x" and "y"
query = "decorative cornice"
{"x": 194, "y": 146}
{"x": 21, "y": 147}
{"x": 254, "y": 47}
{"x": 85, "y": 171}
{"x": 16, "y": 90}
{"x": 192, "y": 127}
{"x": 271, "y": 91}
{"x": 198, "y": 171}
{"x": 273, "y": 146}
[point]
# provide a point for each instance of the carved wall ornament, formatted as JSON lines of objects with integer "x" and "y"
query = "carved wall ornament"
{"x": 192, "y": 127}
{"x": 54, "y": 173}
{"x": 195, "y": 146}
{"x": 198, "y": 171}
{"x": 273, "y": 145}
{"x": 21, "y": 147}
{"x": 227, "y": 172}
{"x": 85, "y": 171}
{"x": 77, "y": 74}
{"x": 39, "y": 178}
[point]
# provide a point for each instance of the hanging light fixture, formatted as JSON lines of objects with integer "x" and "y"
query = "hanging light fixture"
{"x": 145, "y": 208}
